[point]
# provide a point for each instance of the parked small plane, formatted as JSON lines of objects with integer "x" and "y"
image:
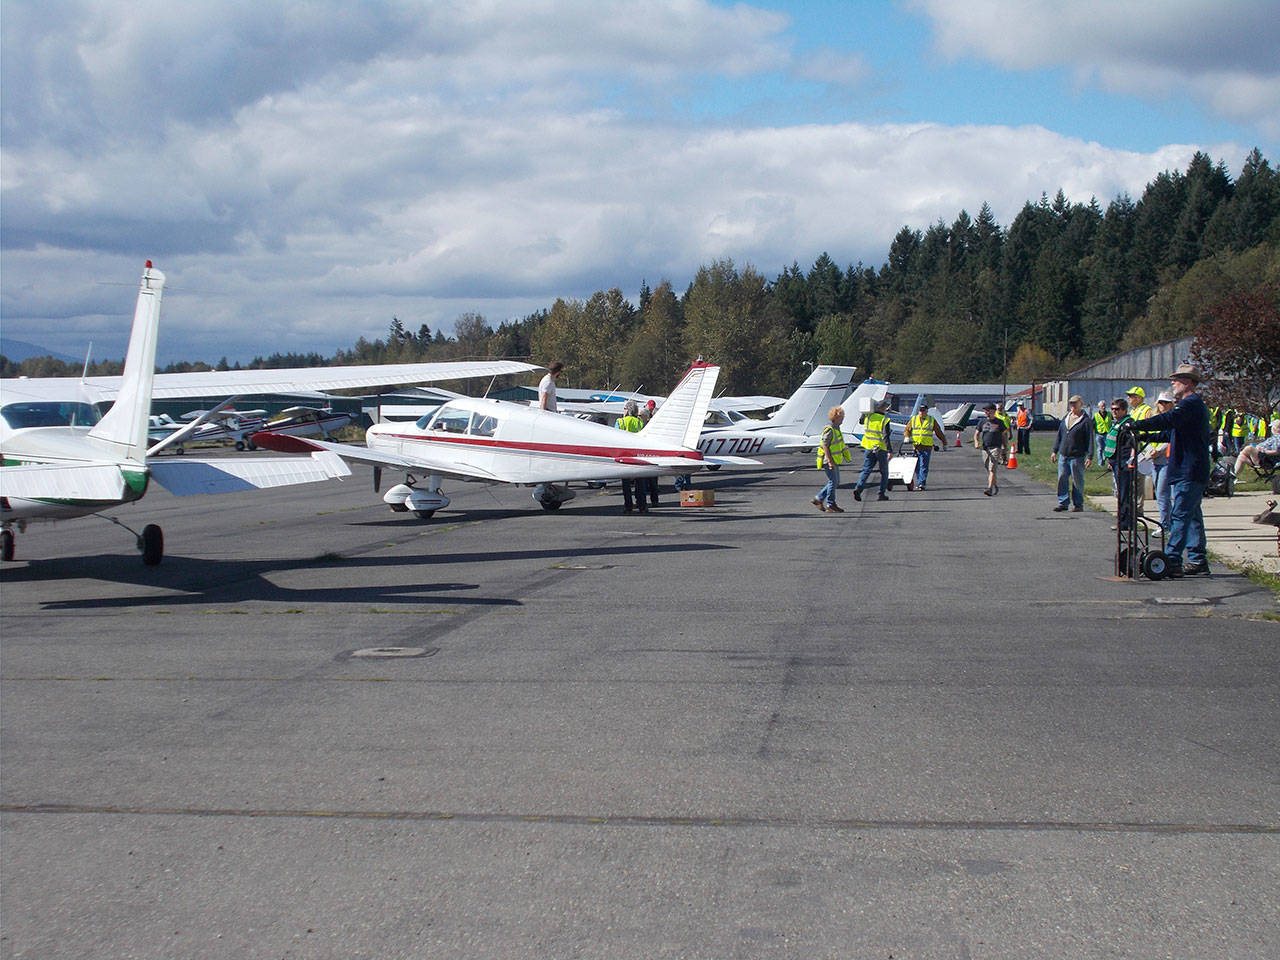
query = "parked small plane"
{"x": 61, "y": 461}
{"x": 309, "y": 421}
{"x": 500, "y": 442}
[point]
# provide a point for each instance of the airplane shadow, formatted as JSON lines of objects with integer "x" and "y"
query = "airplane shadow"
{"x": 238, "y": 581}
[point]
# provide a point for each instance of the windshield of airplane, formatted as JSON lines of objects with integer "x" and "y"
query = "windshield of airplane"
{"x": 449, "y": 419}
{"x": 49, "y": 414}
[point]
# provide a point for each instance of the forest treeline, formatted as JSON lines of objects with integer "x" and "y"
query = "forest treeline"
{"x": 1064, "y": 284}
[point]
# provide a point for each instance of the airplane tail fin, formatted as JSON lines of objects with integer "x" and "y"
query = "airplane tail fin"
{"x": 679, "y": 420}
{"x": 806, "y": 410}
{"x": 123, "y": 429}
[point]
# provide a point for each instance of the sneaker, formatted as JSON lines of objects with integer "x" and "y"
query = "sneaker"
{"x": 832, "y": 508}
{"x": 986, "y": 492}
{"x": 883, "y": 496}
{"x": 857, "y": 494}
{"x": 1060, "y": 508}
{"x": 818, "y": 503}
{"x": 1077, "y": 509}
{"x": 1196, "y": 570}
{"x": 922, "y": 487}
{"x": 1173, "y": 571}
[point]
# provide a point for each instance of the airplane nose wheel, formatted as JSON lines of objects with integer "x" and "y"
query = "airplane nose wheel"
{"x": 151, "y": 544}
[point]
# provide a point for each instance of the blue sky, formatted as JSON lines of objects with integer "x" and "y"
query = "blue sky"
{"x": 302, "y": 173}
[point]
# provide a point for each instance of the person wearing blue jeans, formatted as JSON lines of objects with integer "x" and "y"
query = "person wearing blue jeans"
{"x": 832, "y": 452}
{"x": 1188, "y": 471}
{"x": 875, "y": 449}
{"x": 1073, "y": 451}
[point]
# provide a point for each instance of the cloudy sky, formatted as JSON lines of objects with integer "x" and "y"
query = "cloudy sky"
{"x": 304, "y": 171}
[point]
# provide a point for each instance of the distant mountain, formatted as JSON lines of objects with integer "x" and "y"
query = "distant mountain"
{"x": 19, "y": 350}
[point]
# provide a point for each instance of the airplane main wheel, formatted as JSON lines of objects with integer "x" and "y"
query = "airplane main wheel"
{"x": 6, "y": 544}
{"x": 550, "y": 504}
{"x": 151, "y": 543}
{"x": 424, "y": 514}
{"x": 239, "y": 445}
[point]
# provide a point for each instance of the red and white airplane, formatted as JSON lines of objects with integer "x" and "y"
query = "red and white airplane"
{"x": 500, "y": 442}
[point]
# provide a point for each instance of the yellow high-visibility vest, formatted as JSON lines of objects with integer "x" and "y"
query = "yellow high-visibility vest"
{"x": 835, "y": 443}
{"x": 875, "y": 435}
{"x": 922, "y": 431}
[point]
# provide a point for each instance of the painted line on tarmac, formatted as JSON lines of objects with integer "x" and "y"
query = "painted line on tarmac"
{"x": 631, "y": 820}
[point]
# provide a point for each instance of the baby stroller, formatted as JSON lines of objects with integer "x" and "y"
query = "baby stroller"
{"x": 1222, "y": 481}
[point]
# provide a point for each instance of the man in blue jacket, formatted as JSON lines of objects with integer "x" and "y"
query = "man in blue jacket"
{"x": 1188, "y": 470}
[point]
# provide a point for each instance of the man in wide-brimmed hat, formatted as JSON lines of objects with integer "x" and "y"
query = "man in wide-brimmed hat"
{"x": 1188, "y": 470}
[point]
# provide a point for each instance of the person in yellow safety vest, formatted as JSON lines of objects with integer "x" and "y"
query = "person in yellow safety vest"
{"x": 923, "y": 427}
{"x": 1215, "y": 427}
{"x": 832, "y": 452}
{"x": 1022, "y": 420}
{"x": 875, "y": 444}
{"x": 1101, "y": 427}
{"x": 631, "y": 422}
{"x": 1138, "y": 408}
{"x": 1240, "y": 431}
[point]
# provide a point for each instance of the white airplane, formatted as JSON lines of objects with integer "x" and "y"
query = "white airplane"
{"x": 62, "y": 461}
{"x": 216, "y": 426}
{"x": 500, "y": 442}
{"x": 796, "y": 426}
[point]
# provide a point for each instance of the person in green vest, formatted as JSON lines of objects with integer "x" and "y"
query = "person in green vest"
{"x": 1119, "y": 456}
{"x": 832, "y": 452}
{"x": 630, "y": 421}
{"x": 1101, "y": 427}
{"x": 875, "y": 447}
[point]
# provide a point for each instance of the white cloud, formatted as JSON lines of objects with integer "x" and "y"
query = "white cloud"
{"x": 1223, "y": 53}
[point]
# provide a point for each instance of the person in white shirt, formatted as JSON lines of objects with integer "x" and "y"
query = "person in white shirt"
{"x": 547, "y": 388}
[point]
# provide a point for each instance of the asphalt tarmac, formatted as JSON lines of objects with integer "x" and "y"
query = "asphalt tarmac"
{"x": 934, "y": 727}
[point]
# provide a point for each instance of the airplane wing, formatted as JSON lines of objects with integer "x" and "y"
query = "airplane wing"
{"x": 51, "y": 481}
{"x": 186, "y": 477}
{"x": 745, "y": 404}
{"x": 230, "y": 383}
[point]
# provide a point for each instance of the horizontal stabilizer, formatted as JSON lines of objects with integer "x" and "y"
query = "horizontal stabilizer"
{"x": 183, "y": 478}
{"x": 731, "y": 461}
{"x": 684, "y": 463}
{"x": 51, "y": 481}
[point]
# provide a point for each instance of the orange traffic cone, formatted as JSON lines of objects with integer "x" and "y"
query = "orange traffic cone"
{"x": 958, "y": 432}
{"x": 1013, "y": 460}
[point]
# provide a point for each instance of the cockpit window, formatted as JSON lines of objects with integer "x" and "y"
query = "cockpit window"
{"x": 717, "y": 418}
{"x": 483, "y": 426}
{"x": 451, "y": 420}
{"x": 49, "y": 414}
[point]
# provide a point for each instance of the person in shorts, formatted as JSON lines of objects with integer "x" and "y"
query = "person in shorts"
{"x": 992, "y": 438}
